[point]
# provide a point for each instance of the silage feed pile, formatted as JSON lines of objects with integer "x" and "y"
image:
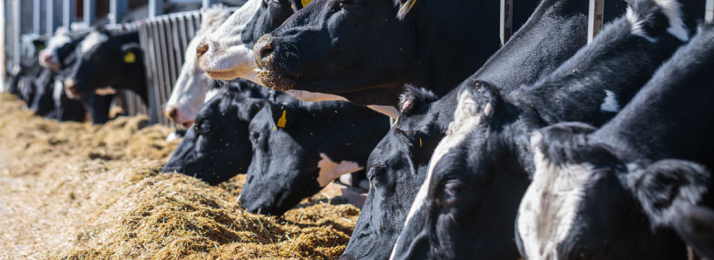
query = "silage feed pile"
{"x": 76, "y": 191}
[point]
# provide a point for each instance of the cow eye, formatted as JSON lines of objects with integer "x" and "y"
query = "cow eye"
{"x": 451, "y": 193}
{"x": 203, "y": 127}
{"x": 373, "y": 174}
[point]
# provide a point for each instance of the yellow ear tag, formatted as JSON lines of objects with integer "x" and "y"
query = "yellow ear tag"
{"x": 419, "y": 141}
{"x": 305, "y": 2}
{"x": 405, "y": 5}
{"x": 129, "y": 57}
{"x": 282, "y": 121}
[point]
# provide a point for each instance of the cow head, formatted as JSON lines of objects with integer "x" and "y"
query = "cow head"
{"x": 585, "y": 202}
{"x": 298, "y": 148}
{"x": 58, "y": 46}
{"x": 191, "y": 87}
{"x": 102, "y": 61}
{"x": 395, "y": 168}
{"x": 217, "y": 147}
{"x": 462, "y": 209}
{"x": 353, "y": 49}
{"x": 227, "y": 53}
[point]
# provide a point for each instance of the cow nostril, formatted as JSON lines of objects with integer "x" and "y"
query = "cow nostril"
{"x": 172, "y": 113}
{"x": 265, "y": 51}
{"x": 201, "y": 49}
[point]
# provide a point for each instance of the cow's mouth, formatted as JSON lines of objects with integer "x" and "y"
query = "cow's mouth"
{"x": 276, "y": 80}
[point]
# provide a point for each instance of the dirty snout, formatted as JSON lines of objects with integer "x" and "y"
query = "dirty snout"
{"x": 48, "y": 60}
{"x": 270, "y": 71}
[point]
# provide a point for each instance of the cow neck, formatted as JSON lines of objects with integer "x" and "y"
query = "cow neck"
{"x": 447, "y": 54}
{"x": 137, "y": 81}
{"x": 670, "y": 115}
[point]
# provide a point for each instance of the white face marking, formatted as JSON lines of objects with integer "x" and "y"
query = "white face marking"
{"x": 92, "y": 40}
{"x": 677, "y": 28}
{"x": 330, "y": 170}
{"x": 308, "y": 96}
{"x": 57, "y": 93}
{"x": 189, "y": 92}
{"x": 313, "y": 96}
{"x": 172, "y": 136}
{"x": 610, "y": 103}
{"x": 636, "y": 25}
{"x": 549, "y": 206}
{"x": 60, "y": 38}
{"x": 466, "y": 118}
{"x": 227, "y": 56}
{"x": 105, "y": 91}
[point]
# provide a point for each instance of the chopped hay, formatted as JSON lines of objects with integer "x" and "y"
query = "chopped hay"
{"x": 76, "y": 191}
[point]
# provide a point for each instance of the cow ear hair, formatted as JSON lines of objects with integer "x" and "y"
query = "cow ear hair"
{"x": 666, "y": 183}
{"x": 283, "y": 114}
{"x": 487, "y": 99}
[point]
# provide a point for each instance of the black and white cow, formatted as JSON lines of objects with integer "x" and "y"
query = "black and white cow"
{"x": 60, "y": 45}
{"x": 191, "y": 87}
{"x": 227, "y": 53}
{"x": 68, "y": 109}
{"x": 468, "y": 203}
{"x": 398, "y": 164}
{"x": 217, "y": 147}
{"x": 108, "y": 62}
{"x": 611, "y": 193}
{"x": 365, "y": 51}
{"x": 299, "y": 147}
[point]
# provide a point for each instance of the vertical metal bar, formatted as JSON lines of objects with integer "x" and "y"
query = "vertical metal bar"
{"x": 709, "y": 15}
{"x": 156, "y": 8}
{"x": 3, "y": 40}
{"x": 595, "y": 20}
{"x": 506, "y": 21}
{"x": 36, "y": 17}
{"x": 117, "y": 10}
{"x": 209, "y": 3}
{"x": 90, "y": 11}
{"x": 52, "y": 19}
{"x": 16, "y": 27}
{"x": 69, "y": 13}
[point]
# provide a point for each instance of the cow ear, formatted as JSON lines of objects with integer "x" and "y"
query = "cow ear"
{"x": 251, "y": 107}
{"x": 667, "y": 183}
{"x": 413, "y": 97}
{"x": 283, "y": 115}
{"x": 130, "y": 51}
{"x": 486, "y": 99}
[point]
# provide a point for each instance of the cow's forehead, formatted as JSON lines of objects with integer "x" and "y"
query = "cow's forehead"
{"x": 58, "y": 41}
{"x": 92, "y": 40}
{"x": 551, "y": 204}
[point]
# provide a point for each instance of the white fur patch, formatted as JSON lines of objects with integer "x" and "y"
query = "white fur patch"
{"x": 466, "y": 118}
{"x": 57, "y": 92}
{"x": 105, "y": 91}
{"x": 389, "y": 111}
{"x": 671, "y": 9}
{"x": 549, "y": 206}
{"x": 313, "y": 96}
{"x": 636, "y": 25}
{"x": 610, "y": 103}
{"x": 60, "y": 38}
{"x": 330, "y": 170}
{"x": 190, "y": 90}
{"x": 92, "y": 40}
{"x": 227, "y": 54}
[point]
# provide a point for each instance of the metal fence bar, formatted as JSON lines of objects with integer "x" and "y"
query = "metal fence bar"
{"x": 90, "y": 12}
{"x": 117, "y": 10}
{"x": 52, "y": 20}
{"x": 595, "y": 18}
{"x": 156, "y": 8}
{"x": 16, "y": 28}
{"x": 36, "y": 17}
{"x": 709, "y": 15}
{"x": 69, "y": 13}
{"x": 506, "y": 20}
